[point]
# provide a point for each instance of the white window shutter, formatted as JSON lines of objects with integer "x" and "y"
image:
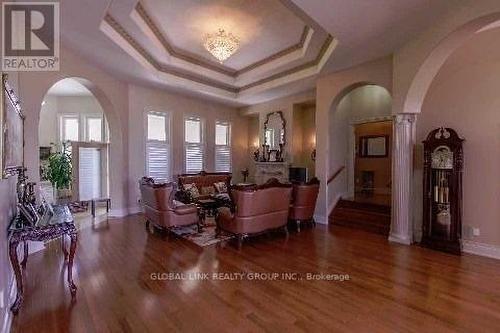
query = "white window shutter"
{"x": 89, "y": 171}
{"x": 158, "y": 149}
{"x": 158, "y": 161}
{"x": 223, "y": 159}
{"x": 194, "y": 157}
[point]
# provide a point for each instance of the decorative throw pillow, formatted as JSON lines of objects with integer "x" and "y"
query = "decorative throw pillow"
{"x": 221, "y": 187}
{"x": 192, "y": 190}
{"x": 207, "y": 190}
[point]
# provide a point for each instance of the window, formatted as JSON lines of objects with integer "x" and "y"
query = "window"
{"x": 69, "y": 127}
{"x": 94, "y": 129}
{"x": 193, "y": 145}
{"x": 222, "y": 147}
{"x": 158, "y": 165}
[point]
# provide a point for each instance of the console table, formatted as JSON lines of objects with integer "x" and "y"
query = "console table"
{"x": 61, "y": 224}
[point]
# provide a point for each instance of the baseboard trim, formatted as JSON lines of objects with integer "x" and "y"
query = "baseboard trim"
{"x": 481, "y": 249}
{"x": 122, "y": 212}
{"x": 399, "y": 239}
{"x": 320, "y": 219}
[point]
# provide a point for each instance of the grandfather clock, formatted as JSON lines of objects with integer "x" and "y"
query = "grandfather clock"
{"x": 443, "y": 164}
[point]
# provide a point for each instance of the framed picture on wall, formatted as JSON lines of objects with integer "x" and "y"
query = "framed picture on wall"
{"x": 373, "y": 146}
{"x": 12, "y": 127}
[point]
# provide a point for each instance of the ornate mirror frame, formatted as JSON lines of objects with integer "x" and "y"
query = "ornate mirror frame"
{"x": 12, "y": 131}
{"x": 283, "y": 125}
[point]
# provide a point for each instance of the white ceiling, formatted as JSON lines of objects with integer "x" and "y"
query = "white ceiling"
{"x": 68, "y": 87}
{"x": 366, "y": 29}
{"x": 255, "y": 22}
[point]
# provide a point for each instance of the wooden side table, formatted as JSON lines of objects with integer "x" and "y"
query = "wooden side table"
{"x": 60, "y": 225}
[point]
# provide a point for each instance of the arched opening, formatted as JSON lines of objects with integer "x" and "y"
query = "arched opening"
{"x": 409, "y": 216}
{"x": 464, "y": 96}
{"x": 360, "y": 141}
{"x": 74, "y": 144}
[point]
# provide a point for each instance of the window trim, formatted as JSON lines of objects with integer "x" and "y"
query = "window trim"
{"x": 62, "y": 125}
{"x": 167, "y": 142}
{"x": 202, "y": 144}
{"x": 88, "y": 116}
{"x": 228, "y": 145}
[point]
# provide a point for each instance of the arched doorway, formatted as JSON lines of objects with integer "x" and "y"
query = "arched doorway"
{"x": 74, "y": 143}
{"x": 404, "y": 188}
{"x": 360, "y": 141}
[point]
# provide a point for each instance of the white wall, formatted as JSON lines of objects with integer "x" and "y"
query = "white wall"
{"x": 143, "y": 100}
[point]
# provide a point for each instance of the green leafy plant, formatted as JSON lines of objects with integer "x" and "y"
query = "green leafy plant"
{"x": 59, "y": 167}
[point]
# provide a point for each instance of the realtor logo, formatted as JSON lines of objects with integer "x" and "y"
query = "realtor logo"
{"x": 30, "y": 40}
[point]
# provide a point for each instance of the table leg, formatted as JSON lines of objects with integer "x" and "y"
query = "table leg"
{"x": 72, "y": 249}
{"x": 17, "y": 272}
{"x": 108, "y": 204}
{"x": 63, "y": 246}
{"x": 25, "y": 259}
{"x": 92, "y": 207}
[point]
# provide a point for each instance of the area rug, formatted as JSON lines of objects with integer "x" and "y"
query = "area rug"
{"x": 204, "y": 238}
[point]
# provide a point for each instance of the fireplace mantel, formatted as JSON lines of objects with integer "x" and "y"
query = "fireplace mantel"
{"x": 267, "y": 170}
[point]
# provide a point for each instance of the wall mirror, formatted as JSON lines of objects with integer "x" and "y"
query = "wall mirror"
{"x": 275, "y": 130}
{"x": 12, "y": 127}
{"x": 373, "y": 146}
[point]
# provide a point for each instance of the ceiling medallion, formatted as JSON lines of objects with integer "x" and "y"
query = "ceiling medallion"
{"x": 221, "y": 44}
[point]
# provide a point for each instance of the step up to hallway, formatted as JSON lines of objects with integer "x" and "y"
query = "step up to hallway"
{"x": 367, "y": 216}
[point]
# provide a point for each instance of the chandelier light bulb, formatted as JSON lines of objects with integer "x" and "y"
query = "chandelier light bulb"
{"x": 221, "y": 45}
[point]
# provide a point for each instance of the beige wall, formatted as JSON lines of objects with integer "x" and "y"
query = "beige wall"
{"x": 142, "y": 100}
{"x": 253, "y": 144}
{"x": 286, "y": 105}
{"x": 304, "y": 137}
{"x": 465, "y": 96}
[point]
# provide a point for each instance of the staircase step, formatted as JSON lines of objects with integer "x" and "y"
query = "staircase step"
{"x": 367, "y": 216}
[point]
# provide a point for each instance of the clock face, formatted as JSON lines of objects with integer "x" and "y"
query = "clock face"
{"x": 442, "y": 158}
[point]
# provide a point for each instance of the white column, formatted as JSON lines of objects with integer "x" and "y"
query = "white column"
{"x": 402, "y": 175}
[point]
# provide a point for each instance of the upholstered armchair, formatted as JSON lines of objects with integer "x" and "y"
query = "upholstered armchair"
{"x": 257, "y": 209}
{"x": 304, "y": 198}
{"x": 159, "y": 207}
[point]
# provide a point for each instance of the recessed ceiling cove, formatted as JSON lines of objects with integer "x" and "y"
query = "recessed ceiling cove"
{"x": 278, "y": 43}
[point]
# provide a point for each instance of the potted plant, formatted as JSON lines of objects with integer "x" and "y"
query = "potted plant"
{"x": 59, "y": 171}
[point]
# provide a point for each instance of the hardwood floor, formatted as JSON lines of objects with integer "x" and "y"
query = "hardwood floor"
{"x": 392, "y": 288}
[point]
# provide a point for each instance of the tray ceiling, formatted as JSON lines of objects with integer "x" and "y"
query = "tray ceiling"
{"x": 279, "y": 44}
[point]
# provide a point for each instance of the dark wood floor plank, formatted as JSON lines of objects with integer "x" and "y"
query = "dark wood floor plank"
{"x": 392, "y": 288}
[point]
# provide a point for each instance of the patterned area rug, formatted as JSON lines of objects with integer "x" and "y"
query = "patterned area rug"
{"x": 204, "y": 238}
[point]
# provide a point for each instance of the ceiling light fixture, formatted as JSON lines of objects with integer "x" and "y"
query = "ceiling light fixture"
{"x": 221, "y": 44}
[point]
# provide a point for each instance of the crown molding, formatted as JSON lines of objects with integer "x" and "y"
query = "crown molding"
{"x": 193, "y": 79}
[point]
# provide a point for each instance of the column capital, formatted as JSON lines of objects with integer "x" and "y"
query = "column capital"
{"x": 405, "y": 118}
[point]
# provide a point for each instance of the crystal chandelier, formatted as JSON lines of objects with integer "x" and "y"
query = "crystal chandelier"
{"x": 221, "y": 44}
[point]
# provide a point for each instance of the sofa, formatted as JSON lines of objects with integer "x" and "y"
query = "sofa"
{"x": 205, "y": 183}
{"x": 304, "y": 196}
{"x": 159, "y": 206}
{"x": 257, "y": 209}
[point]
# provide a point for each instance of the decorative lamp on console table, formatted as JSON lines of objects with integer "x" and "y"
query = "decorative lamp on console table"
{"x": 443, "y": 164}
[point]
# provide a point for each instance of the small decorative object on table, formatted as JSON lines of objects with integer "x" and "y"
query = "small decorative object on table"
{"x": 256, "y": 155}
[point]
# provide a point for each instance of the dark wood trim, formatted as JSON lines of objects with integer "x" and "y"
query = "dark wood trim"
{"x": 339, "y": 170}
